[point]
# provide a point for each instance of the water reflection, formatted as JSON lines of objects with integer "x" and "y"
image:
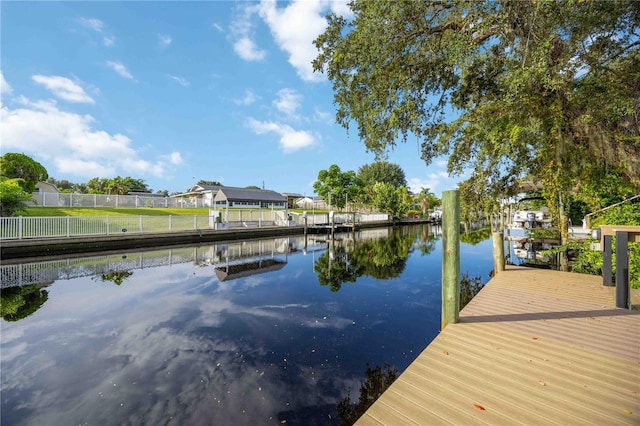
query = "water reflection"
{"x": 159, "y": 337}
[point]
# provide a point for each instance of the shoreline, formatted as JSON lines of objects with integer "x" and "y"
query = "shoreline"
{"x": 35, "y": 248}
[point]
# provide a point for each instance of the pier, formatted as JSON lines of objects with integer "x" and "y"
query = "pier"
{"x": 533, "y": 347}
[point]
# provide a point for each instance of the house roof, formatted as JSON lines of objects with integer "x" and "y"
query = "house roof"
{"x": 291, "y": 195}
{"x": 246, "y": 194}
{"x": 202, "y": 188}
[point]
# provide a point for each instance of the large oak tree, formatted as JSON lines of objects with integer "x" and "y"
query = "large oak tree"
{"x": 507, "y": 89}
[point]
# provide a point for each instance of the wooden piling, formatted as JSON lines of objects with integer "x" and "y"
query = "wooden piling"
{"x": 450, "y": 257}
{"x": 498, "y": 251}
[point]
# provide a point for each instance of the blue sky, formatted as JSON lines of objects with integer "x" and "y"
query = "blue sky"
{"x": 175, "y": 92}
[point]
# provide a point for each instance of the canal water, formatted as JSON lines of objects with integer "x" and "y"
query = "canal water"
{"x": 261, "y": 332}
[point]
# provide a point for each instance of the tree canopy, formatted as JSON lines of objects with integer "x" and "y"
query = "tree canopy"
{"x": 337, "y": 186}
{"x": 505, "y": 89}
{"x": 117, "y": 185}
{"x": 12, "y": 196}
{"x": 382, "y": 171}
{"x": 21, "y": 166}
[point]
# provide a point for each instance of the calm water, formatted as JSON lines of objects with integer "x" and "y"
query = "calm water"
{"x": 261, "y": 332}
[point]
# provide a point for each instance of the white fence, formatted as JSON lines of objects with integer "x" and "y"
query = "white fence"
{"x": 77, "y": 226}
{"x": 52, "y": 199}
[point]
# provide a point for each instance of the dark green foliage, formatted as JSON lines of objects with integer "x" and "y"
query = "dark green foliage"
{"x": 21, "y": 166}
{"x": 12, "y": 197}
{"x": 212, "y": 182}
{"x": 117, "y": 185}
{"x": 378, "y": 380}
{"x": 381, "y": 259}
{"x": 17, "y": 303}
{"x": 469, "y": 287}
{"x": 116, "y": 277}
{"x": 510, "y": 89}
{"x": 476, "y": 237}
{"x": 382, "y": 171}
{"x": 337, "y": 186}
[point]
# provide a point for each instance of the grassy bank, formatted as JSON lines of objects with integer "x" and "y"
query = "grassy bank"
{"x": 120, "y": 211}
{"x": 112, "y": 211}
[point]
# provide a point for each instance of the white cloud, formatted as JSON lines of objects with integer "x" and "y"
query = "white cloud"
{"x": 92, "y": 23}
{"x": 174, "y": 158}
{"x": 241, "y": 28}
{"x": 120, "y": 69}
{"x": 322, "y": 116}
{"x": 5, "y": 88}
{"x": 435, "y": 181}
{"x": 97, "y": 26}
{"x": 165, "y": 40}
{"x": 249, "y": 98}
{"x": 181, "y": 80}
{"x": 247, "y": 50}
{"x": 71, "y": 142}
{"x": 63, "y": 88}
{"x": 294, "y": 28}
{"x": 288, "y": 102}
{"x": 108, "y": 40}
{"x": 291, "y": 140}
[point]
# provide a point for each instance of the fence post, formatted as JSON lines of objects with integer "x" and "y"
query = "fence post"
{"x": 170, "y": 223}
{"x": 607, "y": 261}
{"x": 450, "y": 257}
{"x": 141, "y": 229}
{"x": 107, "y": 225}
{"x": 19, "y": 227}
{"x": 68, "y": 230}
{"x": 195, "y": 222}
{"x": 622, "y": 269}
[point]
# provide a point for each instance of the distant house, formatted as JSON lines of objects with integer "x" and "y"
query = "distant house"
{"x": 310, "y": 203}
{"x": 45, "y": 187}
{"x": 248, "y": 198}
{"x": 200, "y": 195}
{"x": 291, "y": 198}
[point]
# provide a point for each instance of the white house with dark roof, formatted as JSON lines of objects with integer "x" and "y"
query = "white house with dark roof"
{"x": 200, "y": 195}
{"x": 249, "y": 198}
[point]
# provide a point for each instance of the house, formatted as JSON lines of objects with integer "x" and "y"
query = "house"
{"x": 311, "y": 203}
{"x": 248, "y": 198}
{"x": 42, "y": 187}
{"x": 200, "y": 195}
{"x": 291, "y": 198}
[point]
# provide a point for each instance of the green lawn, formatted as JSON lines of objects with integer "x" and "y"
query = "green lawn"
{"x": 118, "y": 211}
{"x": 112, "y": 211}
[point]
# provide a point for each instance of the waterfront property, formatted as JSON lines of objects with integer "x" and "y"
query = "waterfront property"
{"x": 534, "y": 347}
{"x": 158, "y": 338}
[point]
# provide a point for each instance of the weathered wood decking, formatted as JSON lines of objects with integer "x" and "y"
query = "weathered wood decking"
{"x": 534, "y": 347}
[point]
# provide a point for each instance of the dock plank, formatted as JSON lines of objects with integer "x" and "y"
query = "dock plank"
{"x": 533, "y": 347}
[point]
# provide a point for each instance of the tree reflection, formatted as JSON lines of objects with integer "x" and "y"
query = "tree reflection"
{"x": 469, "y": 287}
{"x": 335, "y": 268}
{"x": 17, "y": 303}
{"x": 116, "y": 277}
{"x": 427, "y": 241}
{"x": 476, "y": 237}
{"x": 382, "y": 258}
{"x": 378, "y": 380}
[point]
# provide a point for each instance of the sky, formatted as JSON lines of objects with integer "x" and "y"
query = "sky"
{"x": 177, "y": 92}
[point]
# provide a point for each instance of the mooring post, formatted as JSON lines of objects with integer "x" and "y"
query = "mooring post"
{"x": 450, "y": 257}
{"x": 498, "y": 252}
{"x": 622, "y": 270}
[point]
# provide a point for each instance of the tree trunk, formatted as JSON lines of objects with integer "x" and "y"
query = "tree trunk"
{"x": 564, "y": 235}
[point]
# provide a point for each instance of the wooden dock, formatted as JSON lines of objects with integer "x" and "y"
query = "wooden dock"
{"x": 534, "y": 347}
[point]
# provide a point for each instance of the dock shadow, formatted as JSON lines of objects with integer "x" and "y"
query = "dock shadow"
{"x": 533, "y": 316}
